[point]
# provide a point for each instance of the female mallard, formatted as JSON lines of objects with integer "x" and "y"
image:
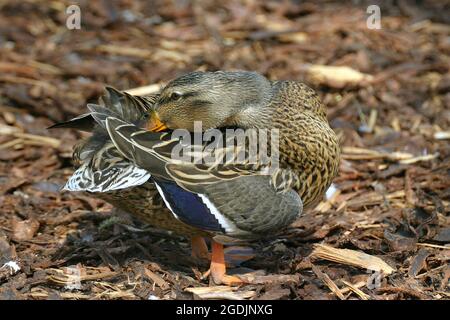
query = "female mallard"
{"x": 134, "y": 168}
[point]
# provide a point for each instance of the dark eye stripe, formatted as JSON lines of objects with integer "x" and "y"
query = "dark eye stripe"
{"x": 200, "y": 103}
{"x": 190, "y": 94}
{"x": 172, "y": 97}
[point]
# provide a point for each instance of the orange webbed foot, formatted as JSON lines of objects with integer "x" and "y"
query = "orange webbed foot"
{"x": 218, "y": 267}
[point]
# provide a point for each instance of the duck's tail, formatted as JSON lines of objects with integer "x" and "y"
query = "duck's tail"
{"x": 121, "y": 105}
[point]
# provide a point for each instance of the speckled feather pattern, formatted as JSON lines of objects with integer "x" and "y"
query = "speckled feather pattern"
{"x": 308, "y": 145}
{"x": 309, "y": 151}
{"x": 142, "y": 201}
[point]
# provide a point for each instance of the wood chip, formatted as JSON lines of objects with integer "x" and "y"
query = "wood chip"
{"x": 271, "y": 279}
{"x": 352, "y": 258}
{"x": 408, "y": 291}
{"x": 372, "y": 198}
{"x": 145, "y": 90}
{"x": 336, "y": 76}
{"x": 42, "y": 140}
{"x": 275, "y": 294}
{"x": 328, "y": 282}
{"x": 418, "y": 262}
{"x": 355, "y": 153}
{"x": 356, "y": 290}
{"x": 427, "y": 157}
{"x": 442, "y": 135}
{"x": 357, "y": 285}
{"x": 22, "y": 80}
{"x": 436, "y": 246}
{"x": 63, "y": 279}
{"x": 25, "y": 230}
{"x": 160, "y": 282}
{"x": 221, "y": 292}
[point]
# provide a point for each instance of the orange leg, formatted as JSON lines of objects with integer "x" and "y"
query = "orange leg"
{"x": 218, "y": 268}
{"x": 199, "y": 248}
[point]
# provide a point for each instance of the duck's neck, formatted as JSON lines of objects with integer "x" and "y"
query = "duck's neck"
{"x": 253, "y": 105}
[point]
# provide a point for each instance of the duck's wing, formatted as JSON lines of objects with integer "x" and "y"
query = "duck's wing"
{"x": 82, "y": 122}
{"x": 105, "y": 170}
{"x": 236, "y": 200}
{"x": 121, "y": 105}
{"x": 102, "y": 168}
{"x": 127, "y": 107}
{"x": 192, "y": 166}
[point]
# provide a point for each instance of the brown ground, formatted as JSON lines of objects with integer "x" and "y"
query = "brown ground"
{"x": 394, "y": 190}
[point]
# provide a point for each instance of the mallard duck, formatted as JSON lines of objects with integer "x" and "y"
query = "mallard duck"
{"x": 128, "y": 160}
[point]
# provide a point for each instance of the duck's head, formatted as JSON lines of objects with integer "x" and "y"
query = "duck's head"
{"x": 217, "y": 99}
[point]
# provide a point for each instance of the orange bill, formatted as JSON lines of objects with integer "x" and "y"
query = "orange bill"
{"x": 155, "y": 124}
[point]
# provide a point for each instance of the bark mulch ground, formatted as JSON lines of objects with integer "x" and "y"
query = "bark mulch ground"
{"x": 383, "y": 234}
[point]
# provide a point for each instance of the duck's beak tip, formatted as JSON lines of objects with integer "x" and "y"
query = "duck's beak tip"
{"x": 154, "y": 124}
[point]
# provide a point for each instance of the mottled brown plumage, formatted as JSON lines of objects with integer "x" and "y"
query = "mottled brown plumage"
{"x": 308, "y": 146}
{"x": 307, "y": 143}
{"x": 241, "y": 201}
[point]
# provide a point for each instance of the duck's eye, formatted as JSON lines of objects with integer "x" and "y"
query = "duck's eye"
{"x": 175, "y": 96}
